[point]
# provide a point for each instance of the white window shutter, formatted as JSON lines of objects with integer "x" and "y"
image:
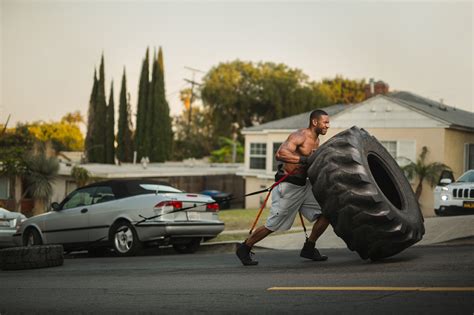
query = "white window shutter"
{"x": 406, "y": 150}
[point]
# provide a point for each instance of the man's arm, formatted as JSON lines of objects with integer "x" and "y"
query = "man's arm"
{"x": 287, "y": 151}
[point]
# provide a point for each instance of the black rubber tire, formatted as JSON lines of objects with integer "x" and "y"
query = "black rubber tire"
{"x": 188, "y": 248}
{"x": 124, "y": 248}
{"x": 365, "y": 195}
{"x": 31, "y": 257}
{"x": 32, "y": 237}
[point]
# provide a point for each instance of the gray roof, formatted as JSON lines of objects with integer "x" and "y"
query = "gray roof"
{"x": 296, "y": 121}
{"x": 453, "y": 116}
{"x": 456, "y": 118}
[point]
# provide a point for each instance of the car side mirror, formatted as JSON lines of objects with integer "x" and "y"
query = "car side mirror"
{"x": 445, "y": 181}
{"x": 55, "y": 206}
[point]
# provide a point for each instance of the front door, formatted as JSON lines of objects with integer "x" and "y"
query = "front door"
{"x": 70, "y": 224}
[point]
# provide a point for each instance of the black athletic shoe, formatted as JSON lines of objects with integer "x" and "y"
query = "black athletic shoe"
{"x": 310, "y": 252}
{"x": 243, "y": 252}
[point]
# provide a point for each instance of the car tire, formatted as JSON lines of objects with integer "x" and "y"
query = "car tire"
{"x": 365, "y": 195}
{"x": 188, "y": 248}
{"x": 31, "y": 257}
{"x": 31, "y": 237}
{"x": 124, "y": 239}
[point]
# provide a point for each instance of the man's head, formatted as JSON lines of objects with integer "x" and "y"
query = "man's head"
{"x": 319, "y": 121}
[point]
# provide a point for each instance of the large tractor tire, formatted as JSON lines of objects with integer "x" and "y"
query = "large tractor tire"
{"x": 365, "y": 195}
{"x": 30, "y": 257}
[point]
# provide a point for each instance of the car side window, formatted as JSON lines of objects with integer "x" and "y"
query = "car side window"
{"x": 103, "y": 194}
{"x": 80, "y": 198}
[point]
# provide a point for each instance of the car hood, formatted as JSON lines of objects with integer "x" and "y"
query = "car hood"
{"x": 461, "y": 184}
{"x": 5, "y": 214}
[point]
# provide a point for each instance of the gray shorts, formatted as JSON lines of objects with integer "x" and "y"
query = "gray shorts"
{"x": 287, "y": 200}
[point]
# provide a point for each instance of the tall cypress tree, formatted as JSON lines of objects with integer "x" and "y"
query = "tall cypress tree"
{"x": 142, "y": 106}
{"x": 100, "y": 117}
{"x": 91, "y": 115}
{"x": 110, "y": 129}
{"x": 124, "y": 135}
{"x": 164, "y": 118}
{"x": 150, "y": 133}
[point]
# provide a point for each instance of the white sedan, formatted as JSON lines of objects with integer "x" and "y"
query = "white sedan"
{"x": 9, "y": 222}
{"x": 125, "y": 214}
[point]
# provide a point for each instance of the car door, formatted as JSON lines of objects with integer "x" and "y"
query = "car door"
{"x": 70, "y": 224}
{"x": 102, "y": 213}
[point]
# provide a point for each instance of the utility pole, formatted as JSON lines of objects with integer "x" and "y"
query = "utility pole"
{"x": 193, "y": 83}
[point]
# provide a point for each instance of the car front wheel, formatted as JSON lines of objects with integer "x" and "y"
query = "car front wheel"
{"x": 32, "y": 238}
{"x": 125, "y": 239}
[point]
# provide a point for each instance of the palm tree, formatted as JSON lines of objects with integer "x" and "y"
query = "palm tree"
{"x": 41, "y": 171}
{"x": 429, "y": 172}
{"x": 81, "y": 175}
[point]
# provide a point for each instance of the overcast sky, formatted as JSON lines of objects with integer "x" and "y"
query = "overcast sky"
{"x": 49, "y": 48}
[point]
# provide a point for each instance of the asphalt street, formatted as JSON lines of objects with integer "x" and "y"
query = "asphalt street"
{"x": 421, "y": 280}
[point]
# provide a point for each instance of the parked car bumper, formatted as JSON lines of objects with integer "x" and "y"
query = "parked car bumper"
{"x": 453, "y": 210}
{"x": 151, "y": 231}
{"x": 17, "y": 239}
{"x": 6, "y": 237}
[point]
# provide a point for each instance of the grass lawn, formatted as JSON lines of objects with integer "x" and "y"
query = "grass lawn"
{"x": 242, "y": 219}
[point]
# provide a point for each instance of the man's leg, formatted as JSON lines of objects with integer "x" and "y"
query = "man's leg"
{"x": 318, "y": 228}
{"x": 243, "y": 250}
{"x": 309, "y": 249}
{"x": 259, "y": 234}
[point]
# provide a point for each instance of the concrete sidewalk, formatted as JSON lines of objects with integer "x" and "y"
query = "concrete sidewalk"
{"x": 438, "y": 230}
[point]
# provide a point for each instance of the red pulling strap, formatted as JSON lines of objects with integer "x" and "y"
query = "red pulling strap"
{"x": 266, "y": 198}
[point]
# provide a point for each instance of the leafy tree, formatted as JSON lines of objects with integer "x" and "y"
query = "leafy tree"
{"x": 142, "y": 106}
{"x": 193, "y": 139}
{"x": 247, "y": 93}
{"x": 124, "y": 136}
{"x": 342, "y": 91}
{"x": 64, "y": 135}
{"x": 110, "y": 129}
{"x": 424, "y": 171}
{"x": 73, "y": 118}
{"x": 225, "y": 153}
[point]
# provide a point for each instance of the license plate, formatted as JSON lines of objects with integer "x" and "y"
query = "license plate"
{"x": 468, "y": 204}
{"x": 194, "y": 216}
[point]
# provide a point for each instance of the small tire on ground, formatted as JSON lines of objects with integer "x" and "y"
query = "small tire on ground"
{"x": 188, "y": 248}
{"x": 31, "y": 257}
{"x": 365, "y": 195}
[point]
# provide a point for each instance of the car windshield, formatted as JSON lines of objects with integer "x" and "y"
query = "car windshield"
{"x": 160, "y": 188}
{"x": 467, "y": 177}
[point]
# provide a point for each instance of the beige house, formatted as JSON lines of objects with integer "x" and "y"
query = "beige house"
{"x": 403, "y": 122}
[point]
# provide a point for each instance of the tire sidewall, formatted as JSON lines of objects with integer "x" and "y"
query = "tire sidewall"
{"x": 410, "y": 210}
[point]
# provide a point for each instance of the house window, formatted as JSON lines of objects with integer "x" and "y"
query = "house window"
{"x": 391, "y": 147}
{"x": 403, "y": 151}
{"x": 258, "y": 154}
{"x": 468, "y": 156}
{"x": 276, "y": 146}
{"x": 4, "y": 188}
